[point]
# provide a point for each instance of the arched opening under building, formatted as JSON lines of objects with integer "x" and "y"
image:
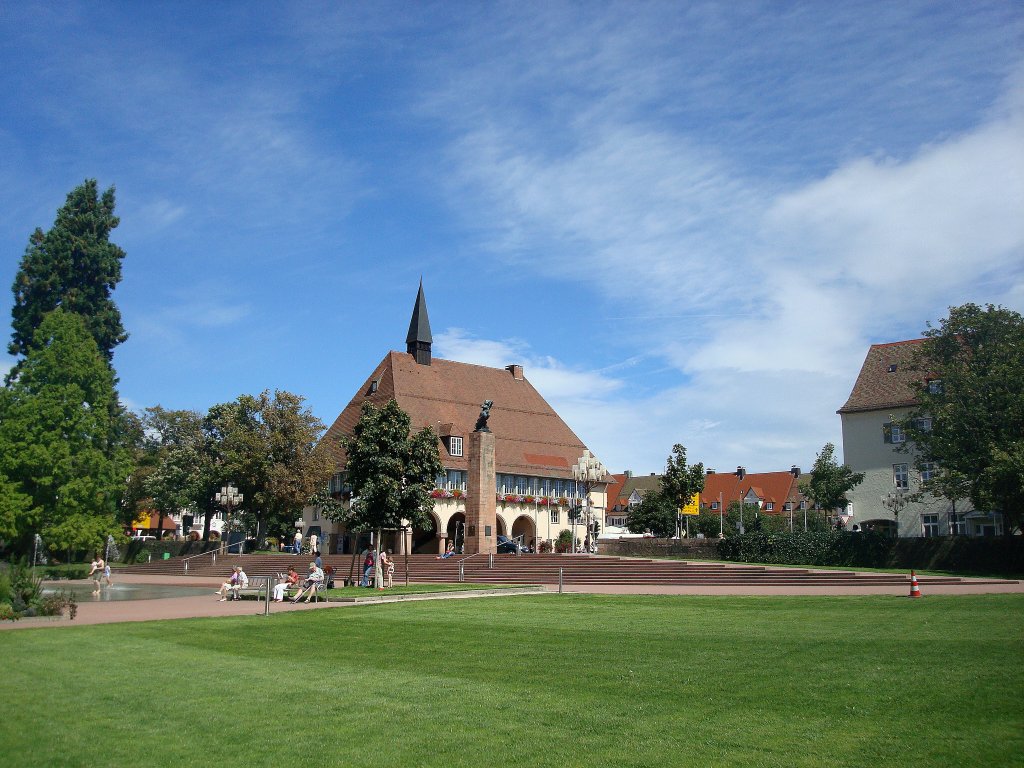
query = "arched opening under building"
{"x": 523, "y": 526}
{"x": 457, "y": 531}
{"x": 424, "y": 540}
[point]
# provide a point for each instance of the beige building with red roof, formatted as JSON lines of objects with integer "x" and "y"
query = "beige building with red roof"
{"x": 534, "y": 449}
{"x": 874, "y": 445}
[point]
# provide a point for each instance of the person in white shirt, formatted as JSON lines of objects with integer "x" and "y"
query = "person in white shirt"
{"x": 310, "y": 584}
{"x": 242, "y": 582}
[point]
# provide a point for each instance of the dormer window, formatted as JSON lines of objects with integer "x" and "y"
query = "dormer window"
{"x": 373, "y": 386}
{"x": 455, "y": 446}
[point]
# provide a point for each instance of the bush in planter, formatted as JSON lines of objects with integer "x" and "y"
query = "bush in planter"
{"x": 25, "y": 588}
{"x": 564, "y": 541}
{"x": 55, "y": 604}
{"x": 7, "y": 613}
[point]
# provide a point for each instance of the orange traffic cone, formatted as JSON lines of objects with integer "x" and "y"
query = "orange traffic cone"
{"x": 915, "y": 590}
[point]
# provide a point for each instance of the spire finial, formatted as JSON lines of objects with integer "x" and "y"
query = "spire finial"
{"x": 419, "y": 339}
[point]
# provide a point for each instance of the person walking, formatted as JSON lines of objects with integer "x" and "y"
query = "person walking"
{"x": 298, "y": 542}
{"x": 96, "y": 573}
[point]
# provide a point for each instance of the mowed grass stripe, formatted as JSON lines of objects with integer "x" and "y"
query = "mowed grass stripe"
{"x": 532, "y": 680}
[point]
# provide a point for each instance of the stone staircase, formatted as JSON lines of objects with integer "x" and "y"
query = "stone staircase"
{"x": 579, "y": 570}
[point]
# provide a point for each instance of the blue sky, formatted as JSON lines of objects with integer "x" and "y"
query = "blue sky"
{"x": 687, "y": 221}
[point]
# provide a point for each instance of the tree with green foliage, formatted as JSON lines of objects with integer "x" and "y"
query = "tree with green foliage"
{"x": 172, "y": 471}
{"x": 681, "y": 483}
{"x": 969, "y": 421}
{"x": 269, "y": 447}
{"x": 391, "y": 470}
{"x": 73, "y": 266}
{"x": 829, "y": 481}
{"x": 60, "y": 436}
{"x": 656, "y": 513}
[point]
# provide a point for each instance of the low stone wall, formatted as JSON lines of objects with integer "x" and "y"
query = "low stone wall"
{"x": 685, "y": 549}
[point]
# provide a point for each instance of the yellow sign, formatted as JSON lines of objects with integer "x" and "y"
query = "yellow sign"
{"x": 693, "y": 508}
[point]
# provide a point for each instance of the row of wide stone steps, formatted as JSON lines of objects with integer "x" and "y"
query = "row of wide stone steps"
{"x": 577, "y": 570}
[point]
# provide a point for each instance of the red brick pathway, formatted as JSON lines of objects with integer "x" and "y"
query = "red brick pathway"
{"x": 108, "y": 612}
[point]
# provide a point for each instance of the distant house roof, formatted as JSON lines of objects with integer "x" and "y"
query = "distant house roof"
{"x": 150, "y": 521}
{"x": 774, "y": 487}
{"x": 530, "y": 438}
{"x": 886, "y": 379}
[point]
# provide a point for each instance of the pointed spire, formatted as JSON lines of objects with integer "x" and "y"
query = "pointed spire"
{"x": 419, "y": 340}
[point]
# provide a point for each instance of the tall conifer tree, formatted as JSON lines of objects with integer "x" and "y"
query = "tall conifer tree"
{"x": 73, "y": 266}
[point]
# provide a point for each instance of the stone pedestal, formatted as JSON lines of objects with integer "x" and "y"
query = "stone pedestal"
{"x": 481, "y": 504}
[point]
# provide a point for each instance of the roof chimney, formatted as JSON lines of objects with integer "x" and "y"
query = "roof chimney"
{"x": 794, "y": 471}
{"x": 516, "y": 371}
{"x": 741, "y": 472}
{"x": 711, "y": 471}
{"x": 628, "y": 473}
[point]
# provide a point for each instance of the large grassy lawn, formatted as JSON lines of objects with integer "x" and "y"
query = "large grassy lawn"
{"x": 551, "y": 680}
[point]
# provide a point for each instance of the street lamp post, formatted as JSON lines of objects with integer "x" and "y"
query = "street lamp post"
{"x": 588, "y": 471}
{"x": 895, "y": 501}
{"x": 228, "y": 497}
{"x": 741, "y": 472}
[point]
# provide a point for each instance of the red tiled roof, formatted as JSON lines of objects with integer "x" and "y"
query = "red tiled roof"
{"x": 886, "y": 379}
{"x": 530, "y": 438}
{"x": 776, "y": 487}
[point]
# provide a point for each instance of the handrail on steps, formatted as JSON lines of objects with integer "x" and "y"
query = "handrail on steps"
{"x": 207, "y": 552}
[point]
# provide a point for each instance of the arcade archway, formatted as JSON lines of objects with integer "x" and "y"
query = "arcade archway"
{"x": 523, "y": 526}
{"x": 425, "y": 540}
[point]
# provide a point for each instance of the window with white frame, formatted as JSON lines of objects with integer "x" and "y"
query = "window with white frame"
{"x": 930, "y": 525}
{"x": 455, "y": 445}
{"x": 893, "y": 433}
{"x": 554, "y": 516}
{"x": 935, "y": 386}
{"x": 900, "y": 476}
{"x": 769, "y": 506}
{"x": 714, "y": 506}
{"x": 929, "y": 470}
{"x": 923, "y": 424}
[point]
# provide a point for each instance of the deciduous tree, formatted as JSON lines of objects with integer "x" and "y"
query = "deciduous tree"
{"x": 391, "y": 471}
{"x": 681, "y": 483}
{"x": 969, "y": 423}
{"x": 829, "y": 481}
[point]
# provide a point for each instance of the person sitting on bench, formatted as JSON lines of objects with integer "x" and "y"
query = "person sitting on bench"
{"x": 310, "y": 584}
{"x": 289, "y": 581}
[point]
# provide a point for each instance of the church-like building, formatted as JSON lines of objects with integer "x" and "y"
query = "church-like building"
{"x": 513, "y": 478}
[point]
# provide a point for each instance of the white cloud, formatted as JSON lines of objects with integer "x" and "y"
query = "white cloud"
{"x": 799, "y": 276}
{"x": 551, "y": 378}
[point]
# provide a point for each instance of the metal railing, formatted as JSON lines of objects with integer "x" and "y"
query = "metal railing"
{"x": 521, "y": 539}
{"x": 462, "y": 568}
{"x": 212, "y": 552}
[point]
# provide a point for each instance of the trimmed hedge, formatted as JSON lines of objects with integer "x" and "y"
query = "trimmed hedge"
{"x": 959, "y": 554}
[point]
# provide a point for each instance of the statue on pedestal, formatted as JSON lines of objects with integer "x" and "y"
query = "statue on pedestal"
{"x": 485, "y": 413}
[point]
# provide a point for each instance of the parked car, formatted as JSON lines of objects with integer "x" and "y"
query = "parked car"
{"x": 507, "y": 546}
